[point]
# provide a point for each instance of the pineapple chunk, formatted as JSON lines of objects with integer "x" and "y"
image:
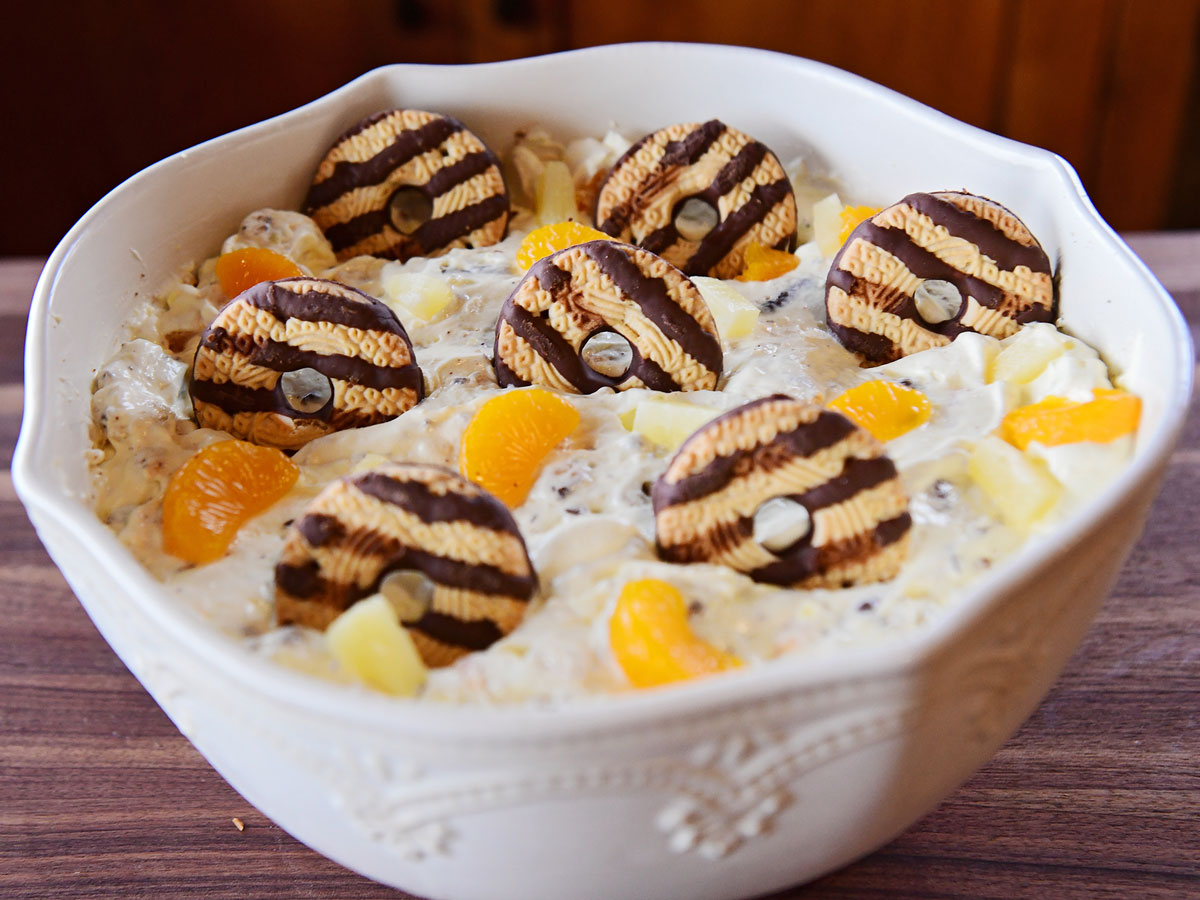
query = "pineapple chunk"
{"x": 369, "y": 642}
{"x": 667, "y": 422}
{"x": 555, "y": 194}
{"x": 734, "y": 314}
{"x": 827, "y": 224}
{"x": 1020, "y": 486}
{"x": 411, "y": 294}
{"x": 1025, "y": 355}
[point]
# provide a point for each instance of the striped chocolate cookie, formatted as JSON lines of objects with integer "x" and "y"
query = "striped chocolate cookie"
{"x": 930, "y": 267}
{"x": 599, "y": 287}
{"x": 406, "y": 517}
{"x": 736, "y": 177}
{"x": 852, "y": 509}
{"x": 288, "y": 361}
{"x": 407, "y": 183}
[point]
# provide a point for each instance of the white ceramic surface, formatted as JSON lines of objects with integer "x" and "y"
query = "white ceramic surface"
{"x": 724, "y": 788}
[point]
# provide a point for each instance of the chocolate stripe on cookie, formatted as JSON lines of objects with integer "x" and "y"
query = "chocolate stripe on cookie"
{"x": 417, "y": 498}
{"x": 676, "y": 154}
{"x": 733, "y": 172}
{"x": 432, "y": 234}
{"x": 477, "y": 635}
{"x": 392, "y": 555}
{"x": 706, "y": 502}
{"x": 286, "y": 358}
{"x": 738, "y": 168}
{"x": 374, "y": 378}
{"x": 606, "y": 287}
{"x": 857, "y": 475}
{"x": 806, "y": 439}
{"x": 409, "y": 517}
{"x": 552, "y": 347}
{"x": 233, "y": 399}
{"x": 1002, "y": 249}
{"x": 651, "y": 295}
{"x": 284, "y": 300}
{"x": 803, "y": 561}
{"x": 443, "y": 230}
{"x": 404, "y": 146}
{"x": 874, "y": 279}
{"x": 462, "y": 171}
{"x": 718, "y": 242}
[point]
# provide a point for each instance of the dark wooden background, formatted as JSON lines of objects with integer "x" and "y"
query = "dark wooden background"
{"x": 1096, "y": 798}
{"x": 95, "y": 91}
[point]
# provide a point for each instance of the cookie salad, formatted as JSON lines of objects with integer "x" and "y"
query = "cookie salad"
{"x": 592, "y": 417}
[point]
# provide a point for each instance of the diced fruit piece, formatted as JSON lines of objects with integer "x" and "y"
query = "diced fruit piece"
{"x": 216, "y": 491}
{"x": 1026, "y": 354}
{"x": 412, "y": 294}
{"x": 369, "y": 642}
{"x": 555, "y": 193}
{"x": 734, "y": 314}
{"x": 238, "y": 270}
{"x": 885, "y": 409}
{"x": 764, "y": 263}
{"x": 508, "y": 438}
{"x": 652, "y": 640}
{"x": 851, "y": 217}
{"x": 668, "y": 422}
{"x": 1055, "y": 420}
{"x": 548, "y": 238}
{"x": 1020, "y": 486}
{"x": 827, "y": 224}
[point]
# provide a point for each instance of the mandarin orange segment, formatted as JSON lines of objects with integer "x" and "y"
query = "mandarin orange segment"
{"x": 1110, "y": 414}
{"x": 216, "y": 491}
{"x": 885, "y": 409}
{"x": 508, "y": 438}
{"x": 851, "y": 217}
{"x": 764, "y": 263}
{"x": 550, "y": 238}
{"x": 652, "y": 641}
{"x": 238, "y": 270}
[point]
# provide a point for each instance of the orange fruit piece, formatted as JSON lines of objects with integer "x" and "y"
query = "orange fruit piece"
{"x": 1110, "y": 414}
{"x": 508, "y": 438}
{"x": 853, "y": 216}
{"x": 216, "y": 491}
{"x": 549, "y": 238}
{"x": 238, "y": 270}
{"x": 764, "y": 263}
{"x": 652, "y": 641}
{"x": 885, "y": 409}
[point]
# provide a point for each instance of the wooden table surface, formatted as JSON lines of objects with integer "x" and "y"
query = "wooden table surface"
{"x": 1098, "y": 795}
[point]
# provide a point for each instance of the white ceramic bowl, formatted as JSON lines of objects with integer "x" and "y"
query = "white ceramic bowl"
{"x": 723, "y": 788}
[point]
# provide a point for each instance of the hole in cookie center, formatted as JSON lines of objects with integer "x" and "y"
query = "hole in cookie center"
{"x": 695, "y": 218}
{"x": 306, "y": 390}
{"x": 937, "y": 301}
{"x": 608, "y": 354}
{"x": 410, "y": 593}
{"x": 781, "y": 522}
{"x": 409, "y": 209}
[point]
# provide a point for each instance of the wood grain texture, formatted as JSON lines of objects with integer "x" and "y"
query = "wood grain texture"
{"x": 1098, "y": 795}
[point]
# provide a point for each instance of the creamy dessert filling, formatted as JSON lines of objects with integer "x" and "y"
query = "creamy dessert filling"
{"x": 979, "y": 481}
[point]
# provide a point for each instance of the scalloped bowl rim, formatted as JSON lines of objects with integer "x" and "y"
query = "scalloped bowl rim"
{"x": 584, "y": 717}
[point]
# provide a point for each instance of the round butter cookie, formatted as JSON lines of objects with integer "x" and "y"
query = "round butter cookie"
{"x": 477, "y": 579}
{"x": 747, "y": 191}
{"x": 405, "y": 183}
{"x": 854, "y": 521}
{"x": 930, "y": 267}
{"x": 352, "y": 359}
{"x": 599, "y": 287}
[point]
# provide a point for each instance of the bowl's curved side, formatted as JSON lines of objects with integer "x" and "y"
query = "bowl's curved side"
{"x": 750, "y": 796}
{"x": 832, "y": 757}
